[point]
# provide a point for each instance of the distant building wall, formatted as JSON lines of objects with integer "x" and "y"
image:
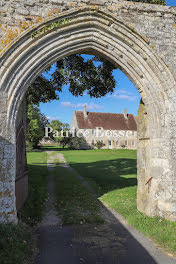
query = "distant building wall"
{"x": 125, "y": 139}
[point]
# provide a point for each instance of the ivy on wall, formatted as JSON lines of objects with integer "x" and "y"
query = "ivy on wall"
{"x": 157, "y": 2}
{"x": 54, "y": 25}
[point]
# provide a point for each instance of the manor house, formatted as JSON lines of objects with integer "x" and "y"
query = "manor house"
{"x": 115, "y": 131}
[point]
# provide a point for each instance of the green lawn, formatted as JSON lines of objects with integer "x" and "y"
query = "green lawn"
{"x": 112, "y": 173}
{"x": 33, "y": 209}
{"x": 15, "y": 240}
{"x": 14, "y": 244}
{"x": 74, "y": 203}
{"x": 106, "y": 170}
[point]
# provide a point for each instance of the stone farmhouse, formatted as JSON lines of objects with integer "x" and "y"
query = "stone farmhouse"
{"x": 115, "y": 131}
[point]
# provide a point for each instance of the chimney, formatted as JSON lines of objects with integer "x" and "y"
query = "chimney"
{"x": 85, "y": 110}
{"x": 125, "y": 114}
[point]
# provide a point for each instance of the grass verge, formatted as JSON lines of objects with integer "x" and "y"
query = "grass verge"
{"x": 15, "y": 240}
{"x": 33, "y": 209}
{"x": 112, "y": 173}
{"x": 14, "y": 244}
{"x": 75, "y": 204}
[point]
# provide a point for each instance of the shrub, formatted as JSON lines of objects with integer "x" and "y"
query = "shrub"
{"x": 77, "y": 142}
{"x": 99, "y": 144}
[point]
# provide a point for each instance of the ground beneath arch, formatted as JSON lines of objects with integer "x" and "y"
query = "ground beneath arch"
{"x": 113, "y": 242}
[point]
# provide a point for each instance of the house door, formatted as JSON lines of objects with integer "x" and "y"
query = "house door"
{"x": 110, "y": 144}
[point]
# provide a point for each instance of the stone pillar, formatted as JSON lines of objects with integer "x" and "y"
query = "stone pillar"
{"x": 7, "y": 165}
{"x": 143, "y": 162}
{"x": 156, "y": 169}
{"x": 21, "y": 186}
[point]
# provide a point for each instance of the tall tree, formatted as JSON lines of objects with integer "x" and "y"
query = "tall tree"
{"x": 57, "y": 126}
{"x": 36, "y": 126}
{"x": 94, "y": 76}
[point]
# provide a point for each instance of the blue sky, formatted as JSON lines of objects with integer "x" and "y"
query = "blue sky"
{"x": 125, "y": 96}
{"x": 171, "y": 2}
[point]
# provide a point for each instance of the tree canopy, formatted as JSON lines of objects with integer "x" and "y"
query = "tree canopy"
{"x": 36, "y": 125}
{"x": 93, "y": 75}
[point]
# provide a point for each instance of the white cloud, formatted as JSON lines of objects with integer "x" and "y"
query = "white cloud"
{"x": 68, "y": 104}
{"x": 50, "y": 118}
{"x": 123, "y": 94}
{"x": 90, "y": 106}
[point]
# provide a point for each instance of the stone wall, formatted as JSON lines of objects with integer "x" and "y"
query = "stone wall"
{"x": 144, "y": 197}
{"x": 21, "y": 180}
{"x": 139, "y": 38}
{"x": 157, "y": 23}
{"x": 7, "y": 165}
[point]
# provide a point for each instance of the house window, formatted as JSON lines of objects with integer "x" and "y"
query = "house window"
{"x": 117, "y": 143}
{"x": 132, "y": 133}
{"x": 109, "y": 141}
{"x": 93, "y": 142}
{"x": 133, "y": 143}
{"x": 93, "y": 132}
{"x": 126, "y": 143}
{"x": 108, "y": 133}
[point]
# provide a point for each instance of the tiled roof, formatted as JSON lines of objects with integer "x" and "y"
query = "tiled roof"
{"x": 107, "y": 121}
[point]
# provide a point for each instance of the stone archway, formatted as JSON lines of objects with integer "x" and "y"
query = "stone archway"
{"x": 95, "y": 30}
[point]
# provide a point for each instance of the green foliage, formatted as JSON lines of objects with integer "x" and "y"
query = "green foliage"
{"x": 36, "y": 126}
{"x": 99, "y": 144}
{"x": 76, "y": 142}
{"x": 57, "y": 127}
{"x": 156, "y": 2}
{"x": 51, "y": 26}
{"x": 82, "y": 76}
{"x": 33, "y": 209}
{"x": 14, "y": 244}
{"x": 41, "y": 90}
{"x": 94, "y": 76}
{"x": 65, "y": 140}
{"x": 72, "y": 142}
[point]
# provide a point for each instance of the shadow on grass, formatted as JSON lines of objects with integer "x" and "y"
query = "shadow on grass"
{"x": 108, "y": 243}
{"x": 49, "y": 148}
{"x": 108, "y": 175}
{"x": 33, "y": 209}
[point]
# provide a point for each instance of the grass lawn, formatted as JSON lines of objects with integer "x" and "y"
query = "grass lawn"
{"x": 106, "y": 170}
{"x": 33, "y": 209}
{"x": 112, "y": 173}
{"x": 15, "y": 240}
{"x": 14, "y": 244}
{"x": 74, "y": 203}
